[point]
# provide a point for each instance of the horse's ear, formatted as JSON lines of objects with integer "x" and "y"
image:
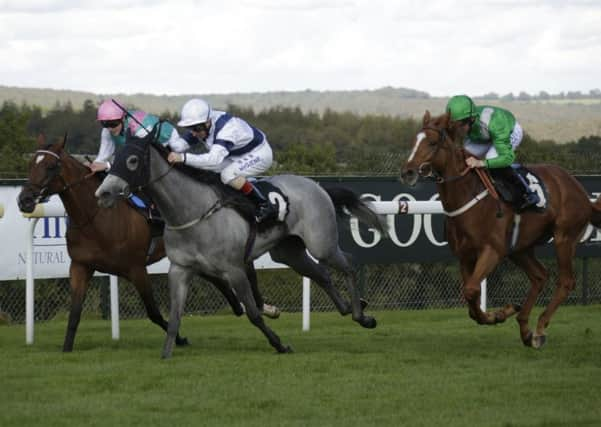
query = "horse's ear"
{"x": 41, "y": 140}
{"x": 426, "y": 118}
{"x": 64, "y": 143}
{"x": 445, "y": 120}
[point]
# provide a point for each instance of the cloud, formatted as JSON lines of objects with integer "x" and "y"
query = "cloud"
{"x": 441, "y": 47}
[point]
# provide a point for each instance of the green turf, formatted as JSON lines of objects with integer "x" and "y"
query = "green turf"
{"x": 417, "y": 368}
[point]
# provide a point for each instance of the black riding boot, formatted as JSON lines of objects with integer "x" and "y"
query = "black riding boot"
{"x": 529, "y": 198}
{"x": 526, "y": 197}
{"x": 265, "y": 209}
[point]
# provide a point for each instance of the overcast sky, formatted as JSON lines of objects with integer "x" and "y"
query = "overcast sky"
{"x": 203, "y": 47}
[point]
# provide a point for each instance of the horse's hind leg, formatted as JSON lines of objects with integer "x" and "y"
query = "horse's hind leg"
{"x": 139, "y": 278}
{"x": 565, "y": 247}
{"x": 292, "y": 252}
{"x": 538, "y": 275}
{"x": 80, "y": 275}
{"x": 179, "y": 281}
{"x": 241, "y": 285}
{"x": 341, "y": 261}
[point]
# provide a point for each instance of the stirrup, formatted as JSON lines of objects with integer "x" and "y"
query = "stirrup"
{"x": 530, "y": 200}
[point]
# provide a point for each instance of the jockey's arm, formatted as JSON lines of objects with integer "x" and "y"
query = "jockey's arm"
{"x": 500, "y": 134}
{"x": 214, "y": 157}
{"x": 107, "y": 148}
{"x": 177, "y": 143}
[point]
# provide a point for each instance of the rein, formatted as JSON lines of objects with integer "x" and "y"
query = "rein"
{"x": 489, "y": 188}
{"x": 216, "y": 206}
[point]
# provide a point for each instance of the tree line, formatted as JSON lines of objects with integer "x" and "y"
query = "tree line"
{"x": 309, "y": 143}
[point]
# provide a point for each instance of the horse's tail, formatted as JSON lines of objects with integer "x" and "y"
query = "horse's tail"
{"x": 343, "y": 197}
{"x": 596, "y": 215}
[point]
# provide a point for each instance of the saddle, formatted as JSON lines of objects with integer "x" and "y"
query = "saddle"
{"x": 144, "y": 206}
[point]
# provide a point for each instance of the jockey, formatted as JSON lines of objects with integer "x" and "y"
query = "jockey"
{"x": 492, "y": 134}
{"x": 114, "y": 121}
{"x": 235, "y": 149}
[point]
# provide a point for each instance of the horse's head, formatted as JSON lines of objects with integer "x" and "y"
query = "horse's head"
{"x": 130, "y": 169}
{"x": 44, "y": 178}
{"x": 430, "y": 151}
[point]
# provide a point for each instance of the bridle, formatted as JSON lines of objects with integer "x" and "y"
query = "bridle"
{"x": 425, "y": 169}
{"x": 145, "y": 158}
{"x": 53, "y": 172}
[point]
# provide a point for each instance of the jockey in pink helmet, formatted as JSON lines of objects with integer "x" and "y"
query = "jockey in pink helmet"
{"x": 114, "y": 120}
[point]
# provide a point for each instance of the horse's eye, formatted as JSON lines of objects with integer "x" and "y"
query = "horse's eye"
{"x": 432, "y": 143}
{"x": 132, "y": 163}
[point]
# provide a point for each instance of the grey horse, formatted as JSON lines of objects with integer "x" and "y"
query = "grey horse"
{"x": 208, "y": 235}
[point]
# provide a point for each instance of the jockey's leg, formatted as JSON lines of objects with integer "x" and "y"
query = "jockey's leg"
{"x": 265, "y": 209}
{"x": 530, "y": 198}
{"x": 527, "y": 196}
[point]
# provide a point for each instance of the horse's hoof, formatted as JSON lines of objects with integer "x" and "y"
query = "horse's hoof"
{"x": 285, "y": 349}
{"x": 181, "y": 342}
{"x": 368, "y": 322}
{"x": 166, "y": 356}
{"x": 271, "y": 311}
{"x": 538, "y": 341}
{"x": 517, "y": 308}
{"x": 499, "y": 317}
{"x": 528, "y": 340}
{"x": 364, "y": 303}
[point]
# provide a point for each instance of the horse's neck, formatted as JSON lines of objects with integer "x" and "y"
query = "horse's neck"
{"x": 78, "y": 199}
{"x": 178, "y": 197}
{"x": 458, "y": 191}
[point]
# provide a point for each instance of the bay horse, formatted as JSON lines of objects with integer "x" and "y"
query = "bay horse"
{"x": 480, "y": 236}
{"x": 114, "y": 241}
{"x": 206, "y": 235}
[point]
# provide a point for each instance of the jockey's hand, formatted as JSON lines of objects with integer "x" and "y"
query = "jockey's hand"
{"x": 472, "y": 162}
{"x": 98, "y": 166}
{"x": 175, "y": 158}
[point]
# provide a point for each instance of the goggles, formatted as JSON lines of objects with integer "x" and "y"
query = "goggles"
{"x": 110, "y": 123}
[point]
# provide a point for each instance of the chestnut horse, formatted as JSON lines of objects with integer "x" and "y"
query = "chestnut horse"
{"x": 479, "y": 237}
{"x": 114, "y": 241}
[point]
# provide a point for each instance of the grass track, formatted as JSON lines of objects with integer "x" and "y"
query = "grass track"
{"x": 418, "y": 368}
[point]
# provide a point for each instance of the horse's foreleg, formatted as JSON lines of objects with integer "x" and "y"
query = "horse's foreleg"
{"x": 565, "y": 247}
{"x": 268, "y": 310}
{"x": 139, "y": 277}
{"x": 240, "y": 283}
{"x": 251, "y": 274}
{"x": 486, "y": 262}
{"x": 80, "y": 275}
{"x": 179, "y": 281}
{"x": 538, "y": 275}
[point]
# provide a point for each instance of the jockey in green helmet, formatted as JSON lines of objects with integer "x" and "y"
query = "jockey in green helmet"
{"x": 491, "y": 135}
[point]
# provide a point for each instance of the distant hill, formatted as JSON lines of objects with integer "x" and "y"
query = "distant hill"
{"x": 551, "y": 119}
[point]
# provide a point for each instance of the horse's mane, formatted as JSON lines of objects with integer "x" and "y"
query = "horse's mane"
{"x": 98, "y": 177}
{"x": 227, "y": 194}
